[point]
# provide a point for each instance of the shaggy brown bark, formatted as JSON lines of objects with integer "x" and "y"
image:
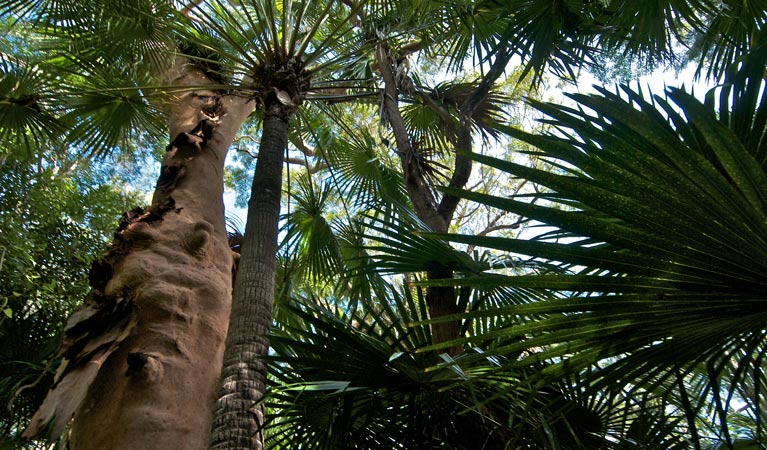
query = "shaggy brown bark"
{"x": 142, "y": 356}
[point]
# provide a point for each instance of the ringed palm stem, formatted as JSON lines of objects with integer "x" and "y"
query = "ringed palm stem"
{"x": 239, "y": 416}
{"x": 279, "y": 79}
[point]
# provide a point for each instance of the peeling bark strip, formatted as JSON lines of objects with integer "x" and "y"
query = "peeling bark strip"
{"x": 169, "y": 177}
{"x": 141, "y": 356}
{"x": 99, "y": 325}
{"x": 212, "y": 110}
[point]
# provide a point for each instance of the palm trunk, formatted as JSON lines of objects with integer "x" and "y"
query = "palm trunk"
{"x": 239, "y": 417}
{"x": 440, "y": 300}
{"x": 142, "y": 355}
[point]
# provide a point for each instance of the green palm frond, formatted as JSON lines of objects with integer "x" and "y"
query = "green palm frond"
{"x": 743, "y": 102}
{"x": 357, "y": 170}
{"x": 357, "y": 382}
{"x": 359, "y": 282}
{"x": 136, "y": 32}
{"x": 37, "y": 9}
{"x": 28, "y": 116}
{"x": 563, "y": 35}
{"x": 665, "y": 207}
{"x": 473, "y": 29}
{"x": 401, "y": 248}
{"x": 648, "y": 416}
{"x": 649, "y": 29}
{"x": 354, "y": 382}
{"x": 550, "y": 34}
{"x": 309, "y": 236}
{"x": 93, "y": 62}
{"x": 109, "y": 109}
{"x": 432, "y": 118}
{"x": 733, "y": 30}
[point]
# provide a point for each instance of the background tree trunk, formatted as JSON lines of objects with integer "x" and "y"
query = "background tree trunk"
{"x": 437, "y": 215}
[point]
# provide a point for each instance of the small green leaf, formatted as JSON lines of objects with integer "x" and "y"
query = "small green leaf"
{"x": 8, "y": 312}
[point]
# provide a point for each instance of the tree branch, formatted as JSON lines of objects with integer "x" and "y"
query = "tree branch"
{"x": 291, "y": 160}
{"x": 301, "y": 146}
{"x": 338, "y": 98}
{"x": 420, "y": 194}
{"x": 462, "y": 167}
{"x": 301, "y": 162}
{"x": 488, "y": 230}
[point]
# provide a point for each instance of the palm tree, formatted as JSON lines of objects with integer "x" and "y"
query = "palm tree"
{"x": 236, "y": 55}
{"x": 282, "y": 51}
{"x": 674, "y": 407}
{"x": 452, "y": 111}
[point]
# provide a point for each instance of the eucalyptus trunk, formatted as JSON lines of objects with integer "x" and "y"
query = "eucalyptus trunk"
{"x": 142, "y": 355}
{"x": 437, "y": 215}
{"x": 239, "y": 417}
{"x": 441, "y": 300}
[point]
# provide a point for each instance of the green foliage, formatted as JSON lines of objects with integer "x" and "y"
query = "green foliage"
{"x": 52, "y": 226}
{"x": 361, "y": 381}
{"x": 637, "y": 313}
{"x": 657, "y": 213}
{"x": 60, "y": 78}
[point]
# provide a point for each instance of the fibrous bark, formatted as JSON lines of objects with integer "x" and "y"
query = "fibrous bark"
{"x": 239, "y": 417}
{"x": 142, "y": 355}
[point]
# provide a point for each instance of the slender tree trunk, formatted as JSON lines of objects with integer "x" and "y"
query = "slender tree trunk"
{"x": 441, "y": 300}
{"x": 142, "y": 355}
{"x": 239, "y": 417}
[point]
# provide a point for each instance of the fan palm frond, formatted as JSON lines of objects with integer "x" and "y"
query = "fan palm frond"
{"x": 357, "y": 381}
{"x": 309, "y": 236}
{"x": 354, "y": 382}
{"x": 357, "y": 169}
{"x": 28, "y": 116}
{"x": 109, "y": 109}
{"x": 433, "y": 121}
{"x": 733, "y": 29}
{"x": 664, "y": 204}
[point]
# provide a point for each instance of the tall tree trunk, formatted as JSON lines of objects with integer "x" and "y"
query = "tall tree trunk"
{"x": 239, "y": 417}
{"x": 441, "y": 300}
{"x": 142, "y": 355}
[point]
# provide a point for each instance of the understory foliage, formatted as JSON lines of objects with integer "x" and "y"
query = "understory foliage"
{"x": 54, "y": 221}
{"x": 656, "y": 226}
